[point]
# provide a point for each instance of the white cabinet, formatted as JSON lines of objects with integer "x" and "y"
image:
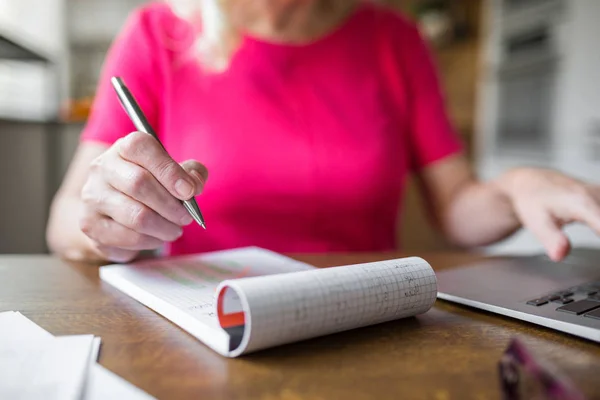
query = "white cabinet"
{"x": 33, "y": 90}
{"x": 38, "y": 25}
{"x": 28, "y": 91}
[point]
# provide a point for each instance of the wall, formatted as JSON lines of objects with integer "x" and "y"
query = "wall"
{"x": 33, "y": 159}
{"x": 24, "y": 187}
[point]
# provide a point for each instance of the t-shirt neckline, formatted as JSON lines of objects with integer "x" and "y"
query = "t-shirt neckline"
{"x": 323, "y": 39}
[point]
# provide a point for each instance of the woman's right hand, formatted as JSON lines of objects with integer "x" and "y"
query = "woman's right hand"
{"x": 131, "y": 198}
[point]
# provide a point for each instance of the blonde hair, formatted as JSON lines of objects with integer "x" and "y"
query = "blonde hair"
{"x": 218, "y": 38}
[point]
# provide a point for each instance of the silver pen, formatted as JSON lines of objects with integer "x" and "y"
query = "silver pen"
{"x": 141, "y": 124}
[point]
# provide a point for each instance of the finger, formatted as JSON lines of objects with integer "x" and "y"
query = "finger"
{"x": 197, "y": 171}
{"x": 543, "y": 225}
{"x": 587, "y": 209}
{"x": 136, "y": 216}
{"x": 145, "y": 151}
{"x": 108, "y": 233}
{"x": 591, "y": 217}
{"x": 141, "y": 185}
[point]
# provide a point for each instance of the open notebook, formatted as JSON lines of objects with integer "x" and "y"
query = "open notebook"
{"x": 243, "y": 300}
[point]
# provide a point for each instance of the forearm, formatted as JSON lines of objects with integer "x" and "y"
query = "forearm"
{"x": 481, "y": 213}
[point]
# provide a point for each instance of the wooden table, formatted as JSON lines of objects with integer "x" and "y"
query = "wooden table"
{"x": 451, "y": 352}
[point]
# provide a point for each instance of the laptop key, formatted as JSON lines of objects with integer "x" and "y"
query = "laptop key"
{"x": 593, "y": 314}
{"x": 595, "y": 297}
{"x": 579, "y": 307}
{"x": 537, "y": 302}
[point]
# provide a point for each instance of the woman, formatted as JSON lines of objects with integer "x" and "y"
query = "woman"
{"x": 309, "y": 114}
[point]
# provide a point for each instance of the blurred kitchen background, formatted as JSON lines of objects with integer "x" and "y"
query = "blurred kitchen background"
{"x": 522, "y": 79}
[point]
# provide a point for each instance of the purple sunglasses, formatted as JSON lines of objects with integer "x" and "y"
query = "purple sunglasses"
{"x": 522, "y": 377}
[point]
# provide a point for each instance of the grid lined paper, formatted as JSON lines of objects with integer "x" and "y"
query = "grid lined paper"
{"x": 290, "y": 307}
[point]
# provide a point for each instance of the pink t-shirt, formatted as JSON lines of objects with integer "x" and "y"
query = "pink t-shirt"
{"x": 307, "y": 146}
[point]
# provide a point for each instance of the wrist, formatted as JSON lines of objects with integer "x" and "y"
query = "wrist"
{"x": 509, "y": 186}
{"x": 513, "y": 181}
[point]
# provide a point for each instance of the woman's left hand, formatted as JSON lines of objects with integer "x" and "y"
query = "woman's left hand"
{"x": 545, "y": 200}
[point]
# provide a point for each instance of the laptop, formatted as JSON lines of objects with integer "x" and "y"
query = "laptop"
{"x": 564, "y": 296}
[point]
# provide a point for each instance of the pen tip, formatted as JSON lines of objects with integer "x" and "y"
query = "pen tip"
{"x": 194, "y": 211}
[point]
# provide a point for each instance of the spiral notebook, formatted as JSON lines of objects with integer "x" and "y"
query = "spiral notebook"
{"x": 244, "y": 300}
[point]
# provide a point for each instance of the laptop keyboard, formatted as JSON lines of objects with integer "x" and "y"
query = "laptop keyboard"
{"x": 581, "y": 300}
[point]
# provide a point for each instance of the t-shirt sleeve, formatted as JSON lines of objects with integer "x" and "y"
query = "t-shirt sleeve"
{"x": 133, "y": 57}
{"x": 431, "y": 135}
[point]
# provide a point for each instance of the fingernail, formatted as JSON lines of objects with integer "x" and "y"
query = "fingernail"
{"x": 184, "y": 189}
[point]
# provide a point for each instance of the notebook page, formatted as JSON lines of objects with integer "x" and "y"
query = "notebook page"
{"x": 295, "y": 306}
{"x": 182, "y": 289}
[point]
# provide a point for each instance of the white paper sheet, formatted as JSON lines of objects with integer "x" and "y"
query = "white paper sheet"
{"x": 48, "y": 369}
{"x": 104, "y": 385}
{"x": 101, "y": 383}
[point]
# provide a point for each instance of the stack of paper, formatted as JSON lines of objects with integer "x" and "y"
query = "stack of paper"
{"x": 36, "y": 365}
